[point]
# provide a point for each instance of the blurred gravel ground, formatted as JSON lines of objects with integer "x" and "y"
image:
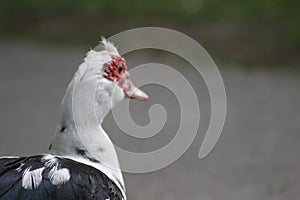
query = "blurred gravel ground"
{"x": 256, "y": 158}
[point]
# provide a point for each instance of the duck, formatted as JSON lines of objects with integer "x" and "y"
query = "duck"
{"x": 82, "y": 162}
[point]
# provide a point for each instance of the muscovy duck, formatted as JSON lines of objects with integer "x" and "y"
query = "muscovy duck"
{"x": 73, "y": 168}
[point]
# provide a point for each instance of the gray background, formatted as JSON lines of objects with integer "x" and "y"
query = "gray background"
{"x": 257, "y": 156}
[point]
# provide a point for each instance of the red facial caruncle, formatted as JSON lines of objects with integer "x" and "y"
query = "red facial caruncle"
{"x": 116, "y": 71}
{"x": 115, "y": 68}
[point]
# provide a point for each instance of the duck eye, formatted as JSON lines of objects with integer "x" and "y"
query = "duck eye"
{"x": 120, "y": 69}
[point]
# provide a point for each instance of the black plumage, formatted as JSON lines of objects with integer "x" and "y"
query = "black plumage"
{"x": 85, "y": 182}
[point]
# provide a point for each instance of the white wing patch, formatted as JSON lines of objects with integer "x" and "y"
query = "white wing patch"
{"x": 19, "y": 169}
{"x": 49, "y": 160}
{"x": 56, "y": 176}
{"x": 59, "y": 176}
{"x": 32, "y": 179}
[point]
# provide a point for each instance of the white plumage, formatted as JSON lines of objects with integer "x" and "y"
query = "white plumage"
{"x": 81, "y": 155}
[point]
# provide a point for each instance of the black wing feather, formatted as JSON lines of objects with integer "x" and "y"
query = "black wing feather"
{"x": 86, "y": 182}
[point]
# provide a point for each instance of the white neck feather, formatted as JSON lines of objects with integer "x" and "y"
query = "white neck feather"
{"x": 79, "y": 135}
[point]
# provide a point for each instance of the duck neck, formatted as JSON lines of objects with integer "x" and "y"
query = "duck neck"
{"x": 80, "y": 136}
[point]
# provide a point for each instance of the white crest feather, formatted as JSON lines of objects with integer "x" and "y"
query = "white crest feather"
{"x": 109, "y": 46}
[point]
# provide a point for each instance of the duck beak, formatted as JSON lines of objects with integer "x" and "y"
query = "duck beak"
{"x": 130, "y": 90}
{"x": 136, "y": 93}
